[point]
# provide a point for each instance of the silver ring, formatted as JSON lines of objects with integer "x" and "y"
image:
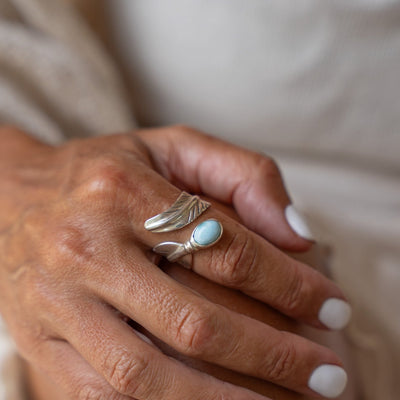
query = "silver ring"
{"x": 206, "y": 234}
{"x": 184, "y": 211}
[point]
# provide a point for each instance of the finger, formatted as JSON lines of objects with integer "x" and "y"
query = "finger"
{"x": 198, "y": 328}
{"x": 136, "y": 369}
{"x": 249, "y": 181}
{"x": 71, "y": 374}
{"x": 243, "y": 260}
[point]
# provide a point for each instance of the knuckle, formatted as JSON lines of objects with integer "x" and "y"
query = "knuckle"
{"x": 131, "y": 375}
{"x": 196, "y": 329}
{"x": 70, "y": 242}
{"x": 108, "y": 176}
{"x": 33, "y": 296}
{"x": 129, "y": 142}
{"x": 239, "y": 261}
{"x": 281, "y": 363}
{"x": 268, "y": 167}
{"x": 90, "y": 392}
{"x": 96, "y": 392}
{"x": 66, "y": 239}
{"x": 297, "y": 292}
{"x": 30, "y": 340}
{"x": 182, "y": 129}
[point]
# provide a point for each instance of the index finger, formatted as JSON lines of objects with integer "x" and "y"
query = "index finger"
{"x": 249, "y": 181}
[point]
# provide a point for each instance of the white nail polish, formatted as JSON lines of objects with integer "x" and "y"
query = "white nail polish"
{"x": 298, "y": 223}
{"x": 328, "y": 380}
{"x": 335, "y": 313}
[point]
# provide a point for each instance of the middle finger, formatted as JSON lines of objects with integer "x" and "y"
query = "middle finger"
{"x": 245, "y": 261}
{"x": 199, "y": 328}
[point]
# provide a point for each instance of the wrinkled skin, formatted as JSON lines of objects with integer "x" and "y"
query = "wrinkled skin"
{"x": 75, "y": 258}
{"x": 42, "y": 388}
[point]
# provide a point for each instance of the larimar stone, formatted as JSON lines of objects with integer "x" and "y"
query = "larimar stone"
{"x": 207, "y": 232}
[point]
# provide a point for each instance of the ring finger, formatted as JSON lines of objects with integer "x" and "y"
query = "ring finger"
{"x": 137, "y": 369}
{"x": 245, "y": 261}
{"x": 198, "y": 328}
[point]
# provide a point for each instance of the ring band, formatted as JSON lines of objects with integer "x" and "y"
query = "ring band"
{"x": 206, "y": 234}
{"x": 185, "y": 210}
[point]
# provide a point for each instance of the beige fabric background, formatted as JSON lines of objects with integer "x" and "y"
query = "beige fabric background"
{"x": 55, "y": 79}
{"x": 57, "y": 82}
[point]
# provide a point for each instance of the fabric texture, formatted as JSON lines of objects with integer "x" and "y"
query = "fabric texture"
{"x": 356, "y": 211}
{"x": 57, "y": 82}
{"x": 55, "y": 79}
{"x": 312, "y": 77}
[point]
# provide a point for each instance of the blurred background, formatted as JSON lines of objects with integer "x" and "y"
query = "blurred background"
{"x": 316, "y": 85}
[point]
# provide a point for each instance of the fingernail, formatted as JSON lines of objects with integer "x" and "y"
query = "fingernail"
{"x": 328, "y": 380}
{"x": 298, "y": 223}
{"x": 335, "y": 313}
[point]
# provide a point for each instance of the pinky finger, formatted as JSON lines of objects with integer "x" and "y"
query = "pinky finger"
{"x": 71, "y": 375}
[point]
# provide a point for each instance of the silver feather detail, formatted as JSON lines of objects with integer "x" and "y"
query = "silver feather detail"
{"x": 184, "y": 211}
{"x": 170, "y": 250}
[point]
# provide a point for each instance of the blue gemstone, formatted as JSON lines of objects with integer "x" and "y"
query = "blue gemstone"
{"x": 207, "y": 232}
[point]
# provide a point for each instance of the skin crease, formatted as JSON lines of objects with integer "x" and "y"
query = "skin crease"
{"x": 73, "y": 250}
{"x": 41, "y": 387}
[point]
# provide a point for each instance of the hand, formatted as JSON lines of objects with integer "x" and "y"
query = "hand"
{"x": 74, "y": 251}
{"x": 41, "y": 387}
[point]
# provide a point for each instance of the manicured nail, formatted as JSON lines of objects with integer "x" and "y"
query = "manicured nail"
{"x": 298, "y": 223}
{"x": 328, "y": 380}
{"x": 335, "y": 313}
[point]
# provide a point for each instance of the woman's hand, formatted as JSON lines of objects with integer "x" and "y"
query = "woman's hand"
{"x": 73, "y": 252}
